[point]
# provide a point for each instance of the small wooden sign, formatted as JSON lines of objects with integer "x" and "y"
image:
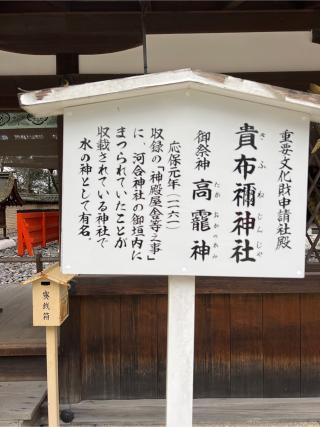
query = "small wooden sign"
{"x": 50, "y": 296}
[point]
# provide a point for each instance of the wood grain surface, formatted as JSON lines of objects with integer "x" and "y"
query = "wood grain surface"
{"x": 246, "y": 345}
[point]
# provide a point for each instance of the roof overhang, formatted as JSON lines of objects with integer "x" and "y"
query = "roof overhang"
{"x": 52, "y": 102}
{"x": 53, "y": 274}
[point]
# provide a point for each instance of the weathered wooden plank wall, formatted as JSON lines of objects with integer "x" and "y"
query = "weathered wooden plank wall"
{"x": 22, "y": 368}
{"x": 281, "y": 343}
{"x": 310, "y": 345}
{"x": 246, "y": 352}
{"x": 101, "y": 346}
{"x": 259, "y": 345}
{"x": 212, "y": 346}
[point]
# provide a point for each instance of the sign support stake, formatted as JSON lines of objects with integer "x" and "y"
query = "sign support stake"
{"x": 180, "y": 350}
{"x": 52, "y": 375}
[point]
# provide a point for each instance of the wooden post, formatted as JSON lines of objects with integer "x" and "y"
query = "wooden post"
{"x": 39, "y": 266}
{"x": 21, "y": 243}
{"x": 52, "y": 375}
{"x": 180, "y": 350}
{"x": 43, "y": 230}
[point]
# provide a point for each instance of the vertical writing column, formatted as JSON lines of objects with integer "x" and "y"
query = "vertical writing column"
{"x": 121, "y": 190}
{"x": 174, "y": 184}
{"x": 203, "y": 195}
{"x": 244, "y": 195}
{"x": 102, "y": 217}
{"x": 85, "y": 173}
{"x": 284, "y": 191}
{"x": 156, "y": 192}
{"x": 138, "y": 184}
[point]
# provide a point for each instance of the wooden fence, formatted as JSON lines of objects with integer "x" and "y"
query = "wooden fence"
{"x": 36, "y": 228}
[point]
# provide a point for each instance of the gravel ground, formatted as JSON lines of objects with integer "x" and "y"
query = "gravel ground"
{"x": 12, "y": 274}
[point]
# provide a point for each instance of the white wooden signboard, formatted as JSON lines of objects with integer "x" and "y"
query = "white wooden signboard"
{"x": 181, "y": 177}
{"x": 184, "y": 183}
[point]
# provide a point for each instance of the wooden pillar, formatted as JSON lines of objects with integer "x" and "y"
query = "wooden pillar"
{"x": 68, "y": 63}
{"x": 180, "y": 350}
{"x": 52, "y": 375}
{"x": 3, "y": 223}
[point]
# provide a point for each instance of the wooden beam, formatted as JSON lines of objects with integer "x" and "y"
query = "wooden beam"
{"x": 29, "y": 148}
{"x": 67, "y": 63}
{"x": 158, "y": 285}
{"x": 45, "y": 6}
{"x": 233, "y": 4}
{"x": 79, "y": 32}
{"x": 231, "y": 21}
{"x": 316, "y": 35}
{"x": 32, "y": 162}
{"x": 94, "y": 32}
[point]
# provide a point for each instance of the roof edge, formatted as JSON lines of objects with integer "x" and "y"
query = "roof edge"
{"x": 50, "y": 102}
